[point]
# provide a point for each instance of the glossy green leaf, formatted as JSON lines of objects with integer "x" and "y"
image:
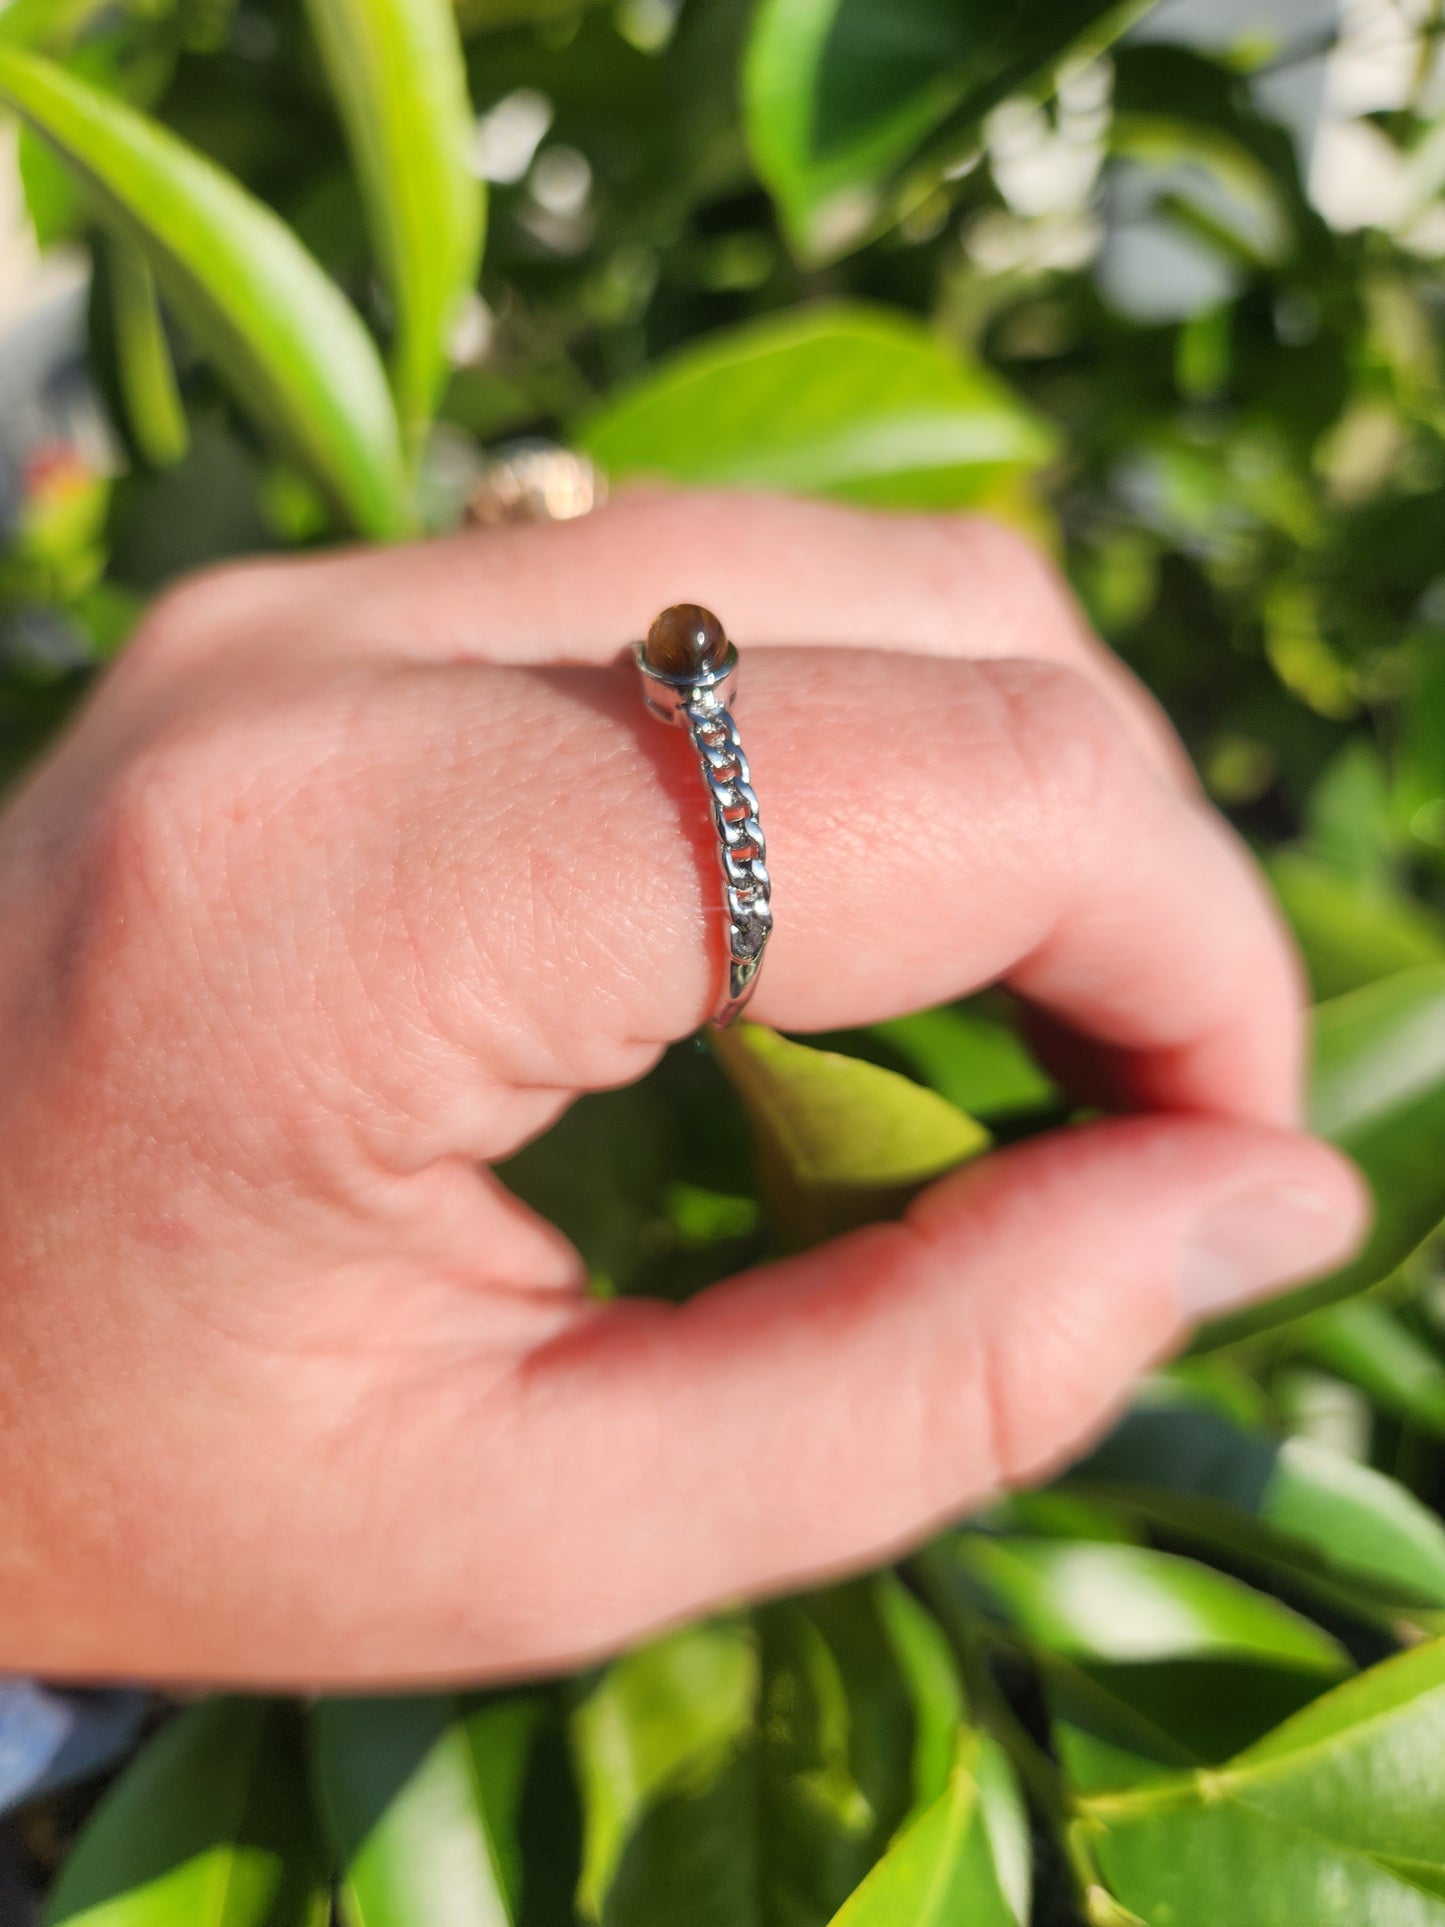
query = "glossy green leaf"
{"x": 840, "y": 95}
{"x": 753, "y": 1775}
{"x": 1363, "y": 1341}
{"x": 1293, "y": 1505}
{"x": 1115, "y": 1726}
{"x": 1335, "y": 1819}
{"x": 1005, "y": 1817}
{"x": 840, "y": 400}
{"x": 1129, "y": 1604}
{"x": 1378, "y": 1091}
{"x": 918, "y": 1655}
{"x": 1349, "y": 932}
{"x": 421, "y": 1797}
{"x": 859, "y": 1717}
{"x": 397, "y": 71}
{"x": 146, "y": 375}
{"x": 841, "y": 1141}
{"x": 1055, "y": 1512}
{"x": 209, "y": 1827}
{"x": 974, "y": 1059}
{"x": 110, "y": 54}
{"x": 663, "y": 1742}
{"x": 1371, "y": 1527}
{"x": 288, "y": 341}
{"x": 940, "y": 1872}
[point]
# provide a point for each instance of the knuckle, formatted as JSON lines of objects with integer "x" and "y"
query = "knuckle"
{"x": 183, "y": 853}
{"x": 1063, "y": 732}
{"x": 187, "y": 817}
{"x": 144, "y": 829}
{"x": 200, "y": 611}
{"x": 120, "y": 946}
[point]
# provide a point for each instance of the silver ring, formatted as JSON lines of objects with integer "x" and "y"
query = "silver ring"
{"x": 689, "y": 672}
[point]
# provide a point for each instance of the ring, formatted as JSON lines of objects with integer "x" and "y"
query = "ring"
{"x": 689, "y": 671}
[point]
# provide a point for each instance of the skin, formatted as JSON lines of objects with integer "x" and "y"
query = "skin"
{"x": 357, "y": 870}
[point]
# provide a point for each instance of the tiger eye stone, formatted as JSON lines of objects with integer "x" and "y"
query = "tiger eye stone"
{"x": 685, "y": 640}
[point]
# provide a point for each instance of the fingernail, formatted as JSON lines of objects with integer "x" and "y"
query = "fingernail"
{"x": 1258, "y": 1242}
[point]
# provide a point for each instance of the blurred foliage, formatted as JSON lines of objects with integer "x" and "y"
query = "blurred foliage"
{"x": 876, "y": 249}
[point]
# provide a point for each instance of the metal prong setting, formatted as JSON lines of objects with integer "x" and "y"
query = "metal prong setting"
{"x": 698, "y": 702}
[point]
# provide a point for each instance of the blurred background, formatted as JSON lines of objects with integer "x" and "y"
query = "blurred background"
{"x": 1163, "y": 286}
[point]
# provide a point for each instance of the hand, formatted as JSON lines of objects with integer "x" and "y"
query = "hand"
{"x": 357, "y": 870}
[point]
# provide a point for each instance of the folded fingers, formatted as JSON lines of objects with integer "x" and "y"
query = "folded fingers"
{"x": 520, "y": 864}
{"x": 778, "y": 570}
{"x": 932, "y": 826}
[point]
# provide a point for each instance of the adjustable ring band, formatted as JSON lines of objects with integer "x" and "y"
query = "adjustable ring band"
{"x": 689, "y": 672}
{"x": 689, "y": 669}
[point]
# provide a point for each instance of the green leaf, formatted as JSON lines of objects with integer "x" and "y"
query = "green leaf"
{"x": 977, "y": 1061}
{"x": 840, "y": 95}
{"x": 1334, "y": 1819}
{"x": 209, "y": 1827}
{"x": 599, "y": 1176}
{"x": 662, "y": 1741}
{"x": 1378, "y": 1091}
{"x": 114, "y": 54}
{"x": 919, "y": 1654}
{"x": 421, "y": 1796}
{"x": 146, "y": 375}
{"x": 841, "y": 400}
{"x": 1055, "y": 1512}
{"x": 1363, "y": 1341}
{"x": 288, "y": 341}
{"x": 1005, "y": 1818}
{"x": 859, "y": 1715}
{"x": 1130, "y": 1604}
{"x": 841, "y": 1141}
{"x": 1370, "y": 1526}
{"x": 753, "y": 1776}
{"x": 1291, "y": 1505}
{"x": 1352, "y": 933}
{"x": 1225, "y": 1666}
{"x": 1116, "y": 1726}
{"x": 47, "y": 25}
{"x": 397, "y": 71}
{"x": 940, "y": 1872}
{"x": 651, "y": 1182}
{"x": 1351, "y": 819}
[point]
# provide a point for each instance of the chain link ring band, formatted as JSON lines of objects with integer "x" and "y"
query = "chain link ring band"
{"x": 695, "y": 696}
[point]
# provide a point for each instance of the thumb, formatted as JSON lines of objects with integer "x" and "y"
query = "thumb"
{"x": 820, "y": 1412}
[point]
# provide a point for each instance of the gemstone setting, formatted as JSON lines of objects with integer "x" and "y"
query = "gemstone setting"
{"x": 686, "y": 640}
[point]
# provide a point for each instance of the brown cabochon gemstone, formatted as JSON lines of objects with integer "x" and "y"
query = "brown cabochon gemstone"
{"x": 685, "y": 640}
